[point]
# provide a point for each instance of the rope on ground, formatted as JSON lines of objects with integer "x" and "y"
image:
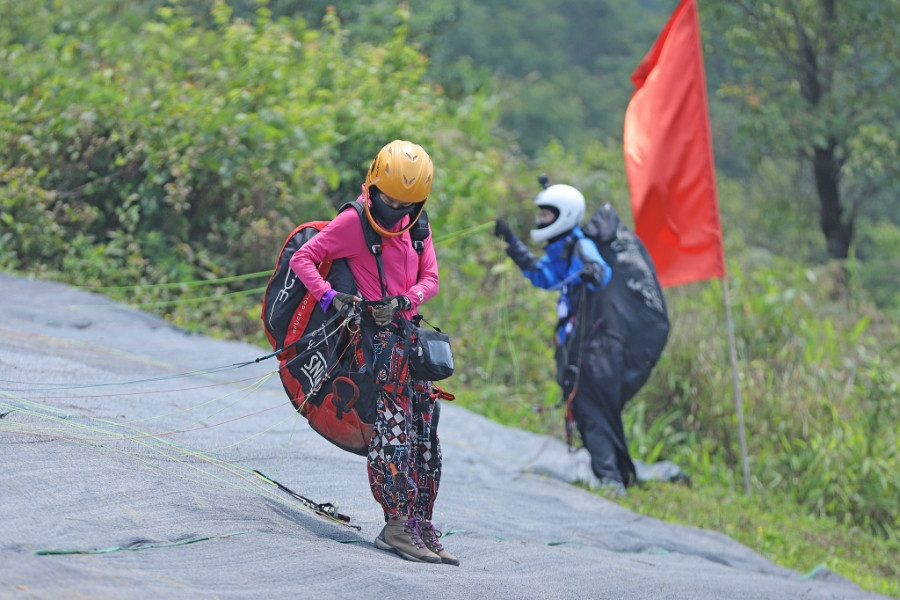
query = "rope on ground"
{"x": 139, "y": 545}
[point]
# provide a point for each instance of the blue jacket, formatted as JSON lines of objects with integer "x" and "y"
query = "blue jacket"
{"x": 560, "y": 269}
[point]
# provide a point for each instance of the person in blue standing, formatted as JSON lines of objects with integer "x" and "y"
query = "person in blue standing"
{"x": 589, "y": 361}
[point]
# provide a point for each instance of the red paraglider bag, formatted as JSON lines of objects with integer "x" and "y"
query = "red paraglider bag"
{"x": 315, "y": 363}
{"x": 341, "y": 406}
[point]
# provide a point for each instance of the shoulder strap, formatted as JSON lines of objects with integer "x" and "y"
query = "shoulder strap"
{"x": 569, "y": 249}
{"x": 373, "y": 242}
{"x": 419, "y": 233}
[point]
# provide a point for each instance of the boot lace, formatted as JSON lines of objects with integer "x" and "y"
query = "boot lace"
{"x": 430, "y": 535}
{"x": 412, "y": 528}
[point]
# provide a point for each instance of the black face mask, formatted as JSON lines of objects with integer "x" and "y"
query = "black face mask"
{"x": 387, "y": 215}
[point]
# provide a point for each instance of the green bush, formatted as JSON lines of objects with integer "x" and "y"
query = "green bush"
{"x": 819, "y": 401}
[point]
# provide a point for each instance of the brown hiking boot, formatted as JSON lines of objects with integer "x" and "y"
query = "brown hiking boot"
{"x": 401, "y": 536}
{"x": 430, "y": 536}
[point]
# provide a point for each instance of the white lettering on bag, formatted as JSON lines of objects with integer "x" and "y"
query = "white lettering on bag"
{"x": 289, "y": 280}
{"x": 314, "y": 371}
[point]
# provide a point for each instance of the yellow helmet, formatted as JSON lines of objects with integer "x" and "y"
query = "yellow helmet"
{"x": 403, "y": 171}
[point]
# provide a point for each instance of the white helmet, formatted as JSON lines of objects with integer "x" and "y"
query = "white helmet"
{"x": 567, "y": 203}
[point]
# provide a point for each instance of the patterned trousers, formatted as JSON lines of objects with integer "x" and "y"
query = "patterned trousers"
{"x": 404, "y": 459}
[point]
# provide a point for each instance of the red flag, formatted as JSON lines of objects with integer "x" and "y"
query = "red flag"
{"x": 669, "y": 157}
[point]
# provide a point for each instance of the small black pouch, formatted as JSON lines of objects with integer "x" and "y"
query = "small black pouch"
{"x": 430, "y": 354}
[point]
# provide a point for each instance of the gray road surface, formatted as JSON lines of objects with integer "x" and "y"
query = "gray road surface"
{"x": 127, "y": 472}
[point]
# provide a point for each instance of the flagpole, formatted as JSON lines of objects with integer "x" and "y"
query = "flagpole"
{"x": 739, "y": 405}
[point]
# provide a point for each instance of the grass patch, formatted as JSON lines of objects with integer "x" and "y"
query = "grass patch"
{"x": 777, "y": 530}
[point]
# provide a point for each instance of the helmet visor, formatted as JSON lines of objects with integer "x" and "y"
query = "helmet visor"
{"x": 546, "y": 216}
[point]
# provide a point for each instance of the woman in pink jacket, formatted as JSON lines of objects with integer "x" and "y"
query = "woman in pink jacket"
{"x": 404, "y": 457}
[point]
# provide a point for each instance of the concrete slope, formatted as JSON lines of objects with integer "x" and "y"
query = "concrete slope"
{"x": 128, "y": 449}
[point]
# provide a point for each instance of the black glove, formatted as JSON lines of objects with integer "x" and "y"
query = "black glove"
{"x": 385, "y": 312}
{"x": 502, "y": 230}
{"x": 340, "y": 299}
{"x": 593, "y": 273}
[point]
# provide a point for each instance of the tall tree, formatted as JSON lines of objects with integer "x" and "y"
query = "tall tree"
{"x": 819, "y": 80}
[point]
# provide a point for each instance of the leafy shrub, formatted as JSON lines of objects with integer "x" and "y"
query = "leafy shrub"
{"x": 819, "y": 405}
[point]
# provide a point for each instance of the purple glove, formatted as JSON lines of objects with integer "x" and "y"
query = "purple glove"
{"x": 336, "y": 299}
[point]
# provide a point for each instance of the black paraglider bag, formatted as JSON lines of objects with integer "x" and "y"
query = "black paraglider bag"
{"x": 632, "y": 307}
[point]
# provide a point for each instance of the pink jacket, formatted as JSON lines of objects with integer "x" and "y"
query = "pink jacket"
{"x": 408, "y": 274}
